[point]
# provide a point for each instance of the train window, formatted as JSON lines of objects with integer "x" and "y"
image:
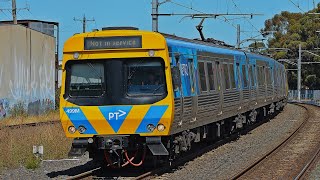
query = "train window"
{"x": 251, "y": 75}
{"x": 211, "y": 76}
{"x": 202, "y": 74}
{"x": 226, "y": 76}
{"x": 233, "y": 82}
{"x": 268, "y": 76}
{"x": 191, "y": 74}
{"x": 244, "y": 76}
{"x": 87, "y": 80}
{"x": 145, "y": 78}
{"x": 261, "y": 76}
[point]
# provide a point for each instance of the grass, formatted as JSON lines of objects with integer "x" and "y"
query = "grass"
{"x": 16, "y": 144}
{"x": 24, "y": 119}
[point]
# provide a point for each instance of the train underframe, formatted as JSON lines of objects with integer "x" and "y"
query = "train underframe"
{"x": 119, "y": 151}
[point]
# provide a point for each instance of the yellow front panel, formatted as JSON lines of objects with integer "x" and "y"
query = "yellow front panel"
{"x": 118, "y": 119}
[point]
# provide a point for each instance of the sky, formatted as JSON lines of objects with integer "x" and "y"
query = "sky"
{"x": 137, "y": 13}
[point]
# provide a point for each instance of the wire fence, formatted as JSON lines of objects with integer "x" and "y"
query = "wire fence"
{"x": 307, "y": 96}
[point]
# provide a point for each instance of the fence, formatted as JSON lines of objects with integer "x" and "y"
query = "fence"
{"x": 310, "y": 96}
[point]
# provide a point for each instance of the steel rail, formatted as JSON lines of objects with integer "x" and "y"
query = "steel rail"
{"x": 84, "y": 174}
{"x": 272, "y": 151}
{"x": 16, "y": 126}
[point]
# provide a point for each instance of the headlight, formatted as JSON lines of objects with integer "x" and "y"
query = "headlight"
{"x": 161, "y": 127}
{"x": 76, "y": 55}
{"x": 90, "y": 140}
{"x": 72, "y": 129}
{"x": 150, "y": 127}
{"x": 151, "y": 53}
{"x": 81, "y": 129}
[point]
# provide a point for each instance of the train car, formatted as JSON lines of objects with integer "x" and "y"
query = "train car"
{"x": 128, "y": 95}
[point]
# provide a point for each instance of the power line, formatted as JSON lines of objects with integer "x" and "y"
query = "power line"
{"x": 193, "y": 9}
{"x": 297, "y": 5}
{"x": 246, "y": 19}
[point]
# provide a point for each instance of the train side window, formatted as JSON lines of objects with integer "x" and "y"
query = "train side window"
{"x": 191, "y": 74}
{"x": 269, "y": 80}
{"x": 226, "y": 76}
{"x": 251, "y": 75}
{"x": 233, "y": 82}
{"x": 211, "y": 76}
{"x": 202, "y": 74}
{"x": 260, "y": 76}
{"x": 244, "y": 76}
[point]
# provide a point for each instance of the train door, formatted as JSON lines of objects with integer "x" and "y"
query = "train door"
{"x": 219, "y": 85}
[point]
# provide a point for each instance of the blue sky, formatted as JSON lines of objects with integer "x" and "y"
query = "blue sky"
{"x": 137, "y": 13}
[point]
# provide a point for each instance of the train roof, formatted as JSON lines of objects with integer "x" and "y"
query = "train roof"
{"x": 197, "y": 44}
{"x": 211, "y": 47}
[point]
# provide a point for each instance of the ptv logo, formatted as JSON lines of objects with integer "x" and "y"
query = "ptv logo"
{"x": 116, "y": 115}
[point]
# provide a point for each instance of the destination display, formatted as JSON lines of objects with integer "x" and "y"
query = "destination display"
{"x": 116, "y": 42}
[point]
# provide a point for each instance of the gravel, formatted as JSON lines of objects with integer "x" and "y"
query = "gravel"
{"x": 227, "y": 160}
{"x": 315, "y": 173}
{"x": 220, "y": 163}
{"x": 56, "y": 169}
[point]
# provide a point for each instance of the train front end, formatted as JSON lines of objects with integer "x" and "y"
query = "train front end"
{"x": 116, "y": 95}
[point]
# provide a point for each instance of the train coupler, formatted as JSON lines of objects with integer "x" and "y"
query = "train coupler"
{"x": 112, "y": 142}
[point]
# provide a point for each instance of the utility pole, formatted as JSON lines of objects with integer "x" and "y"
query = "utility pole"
{"x": 155, "y": 9}
{"x": 299, "y": 74}
{"x": 238, "y": 36}
{"x": 14, "y": 12}
{"x": 84, "y": 21}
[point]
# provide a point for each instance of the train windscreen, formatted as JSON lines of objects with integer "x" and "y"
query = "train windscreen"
{"x": 145, "y": 78}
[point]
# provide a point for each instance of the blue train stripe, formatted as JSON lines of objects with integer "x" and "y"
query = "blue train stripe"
{"x": 153, "y": 116}
{"x": 77, "y": 118}
{"x": 115, "y": 115}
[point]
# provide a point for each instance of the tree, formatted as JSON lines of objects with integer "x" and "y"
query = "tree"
{"x": 292, "y": 29}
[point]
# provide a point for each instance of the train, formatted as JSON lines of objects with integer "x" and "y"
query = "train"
{"x": 133, "y": 97}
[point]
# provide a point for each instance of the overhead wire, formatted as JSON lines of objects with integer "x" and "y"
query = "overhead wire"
{"x": 191, "y": 8}
{"x": 245, "y": 18}
{"x": 297, "y": 5}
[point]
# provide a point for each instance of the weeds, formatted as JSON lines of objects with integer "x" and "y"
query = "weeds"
{"x": 16, "y": 145}
{"x": 32, "y": 163}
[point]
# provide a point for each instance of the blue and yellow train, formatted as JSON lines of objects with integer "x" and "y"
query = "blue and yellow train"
{"x": 128, "y": 94}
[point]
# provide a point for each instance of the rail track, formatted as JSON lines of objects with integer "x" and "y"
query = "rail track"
{"x": 17, "y": 126}
{"x": 287, "y": 159}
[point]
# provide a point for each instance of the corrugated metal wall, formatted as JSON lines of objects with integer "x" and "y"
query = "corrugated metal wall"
{"x": 27, "y": 69}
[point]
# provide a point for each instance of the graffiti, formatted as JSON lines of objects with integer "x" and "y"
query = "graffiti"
{"x": 27, "y": 74}
{"x": 4, "y": 106}
{"x": 19, "y": 83}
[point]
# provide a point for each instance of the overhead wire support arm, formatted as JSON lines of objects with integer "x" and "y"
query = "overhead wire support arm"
{"x": 199, "y": 28}
{"x": 205, "y": 15}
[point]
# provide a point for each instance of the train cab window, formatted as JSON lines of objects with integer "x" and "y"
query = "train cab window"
{"x": 87, "y": 80}
{"x": 226, "y": 76}
{"x": 244, "y": 76}
{"x": 145, "y": 78}
{"x": 202, "y": 74}
{"x": 211, "y": 76}
{"x": 233, "y": 82}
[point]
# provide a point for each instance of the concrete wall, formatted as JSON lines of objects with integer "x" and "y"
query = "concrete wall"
{"x": 27, "y": 70}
